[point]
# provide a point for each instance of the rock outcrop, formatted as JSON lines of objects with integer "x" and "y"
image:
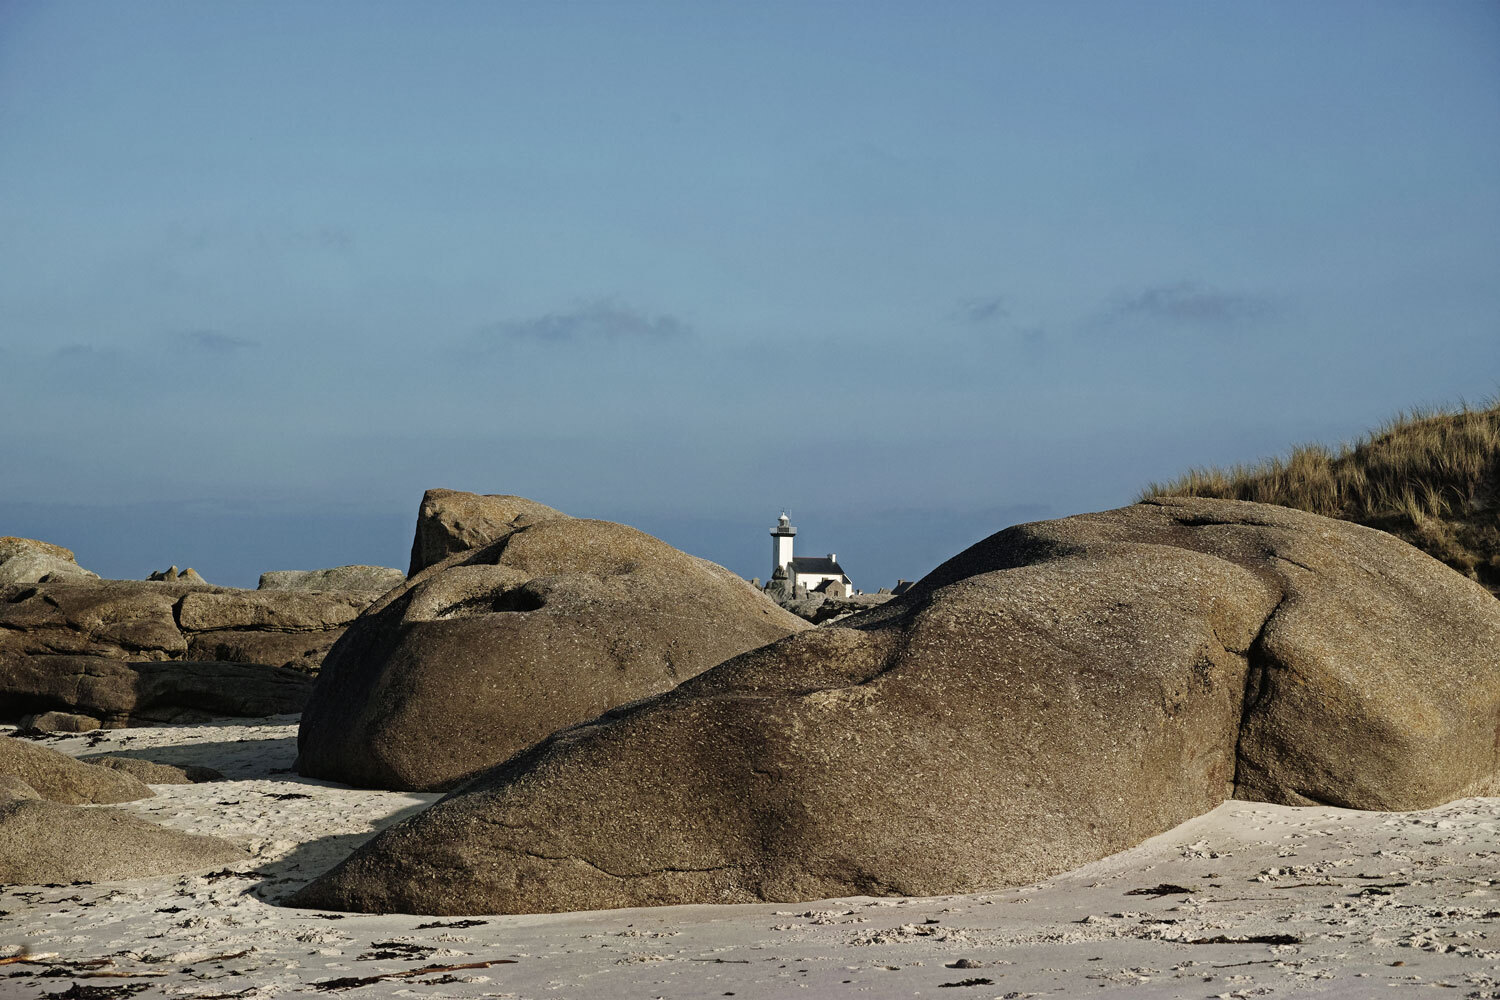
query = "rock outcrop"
{"x": 45, "y": 843}
{"x": 450, "y": 521}
{"x": 1056, "y": 693}
{"x": 57, "y": 777}
{"x": 120, "y": 693}
{"x": 26, "y": 560}
{"x": 170, "y": 575}
{"x": 86, "y": 647}
{"x": 374, "y": 580}
{"x": 137, "y": 620}
{"x": 490, "y": 650}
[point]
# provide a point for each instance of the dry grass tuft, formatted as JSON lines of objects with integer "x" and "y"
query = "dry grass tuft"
{"x": 1430, "y": 477}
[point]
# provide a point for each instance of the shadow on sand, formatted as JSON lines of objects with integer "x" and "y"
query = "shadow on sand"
{"x": 237, "y": 759}
{"x": 284, "y": 876}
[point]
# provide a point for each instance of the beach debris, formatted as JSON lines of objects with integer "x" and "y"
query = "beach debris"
{"x": 1165, "y": 889}
{"x": 354, "y": 982}
{"x": 79, "y": 992}
{"x": 398, "y": 950}
{"x": 1248, "y": 939}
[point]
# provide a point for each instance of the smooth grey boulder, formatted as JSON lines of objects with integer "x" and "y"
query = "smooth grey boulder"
{"x": 1056, "y": 693}
{"x": 43, "y": 843}
{"x": 367, "y": 579}
{"x": 489, "y": 651}
{"x": 59, "y": 778}
{"x": 450, "y": 521}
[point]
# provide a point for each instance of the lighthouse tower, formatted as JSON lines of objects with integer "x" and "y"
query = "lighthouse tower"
{"x": 781, "y": 545}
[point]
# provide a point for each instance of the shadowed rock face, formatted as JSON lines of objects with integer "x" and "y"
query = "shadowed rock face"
{"x": 1056, "y": 693}
{"x": 489, "y": 651}
{"x": 117, "y": 693}
{"x": 126, "y": 652}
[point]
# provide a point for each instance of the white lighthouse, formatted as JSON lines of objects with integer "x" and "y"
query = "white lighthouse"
{"x": 781, "y": 544}
{"x": 805, "y": 575}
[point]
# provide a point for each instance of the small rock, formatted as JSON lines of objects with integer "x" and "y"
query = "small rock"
{"x": 60, "y": 722}
{"x": 153, "y": 773}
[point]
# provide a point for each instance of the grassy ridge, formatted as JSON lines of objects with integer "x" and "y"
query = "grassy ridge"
{"x": 1430, "y": 478}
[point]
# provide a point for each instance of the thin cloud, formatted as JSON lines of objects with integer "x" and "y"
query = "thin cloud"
{"x": 1191, "y": 302}
{"x": 600, "y": 321}
{"x": 983, "y": 310}
{"x": 74, "y": 352}
{"x": 213, "y": 342}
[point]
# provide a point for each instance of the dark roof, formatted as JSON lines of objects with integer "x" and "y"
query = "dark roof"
{"x": 817, "y": 564}
{"x": 902, "y": 586}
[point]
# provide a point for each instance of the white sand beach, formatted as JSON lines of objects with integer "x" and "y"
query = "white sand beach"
{"x": 1250, "y": 900}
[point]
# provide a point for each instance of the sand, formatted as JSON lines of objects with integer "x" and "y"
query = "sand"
{"x": 1249, "y": 900}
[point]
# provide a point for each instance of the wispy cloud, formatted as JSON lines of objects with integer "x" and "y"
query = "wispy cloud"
{"x": 982, "y": 310}
{"x": 212, "y": 342}
{"x": 599, "y": 321}
{"x": 1191, "y": 302}
{"x": 220, "y": 235}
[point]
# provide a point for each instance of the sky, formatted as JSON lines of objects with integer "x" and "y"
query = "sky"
{"x": 911, "y": 272}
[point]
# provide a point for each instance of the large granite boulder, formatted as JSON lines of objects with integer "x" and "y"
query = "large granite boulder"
{"x": 490, "y": 650}
{"x": 368, "y": 579}
{"x": 450, "y": 521}
{"x": 43, "y": 843}
{"x": 59, "y": 778}
{"x": 1056, "y": 693}
{"x": 27, "y": 560}
{"x": 120, "y": 693}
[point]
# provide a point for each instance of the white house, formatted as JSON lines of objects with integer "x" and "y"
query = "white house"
{"x": 816, "y": 573}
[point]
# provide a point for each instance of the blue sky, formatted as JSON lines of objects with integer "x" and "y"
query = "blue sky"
{"x": 914, "y": 272}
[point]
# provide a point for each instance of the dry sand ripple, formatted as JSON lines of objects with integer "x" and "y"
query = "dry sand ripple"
{"x": 1248, "y": 901}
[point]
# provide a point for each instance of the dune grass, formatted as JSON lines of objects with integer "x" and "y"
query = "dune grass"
{"x": 1430, "y": 477}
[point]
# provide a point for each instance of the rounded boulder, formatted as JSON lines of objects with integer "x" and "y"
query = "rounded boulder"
{"x": 491, "y": 650}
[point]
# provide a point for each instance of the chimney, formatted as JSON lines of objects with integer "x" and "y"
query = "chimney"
{"x": 833, "y": 557}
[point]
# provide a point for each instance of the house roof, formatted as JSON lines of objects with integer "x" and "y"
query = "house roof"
{"x": 817, "y": 564}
